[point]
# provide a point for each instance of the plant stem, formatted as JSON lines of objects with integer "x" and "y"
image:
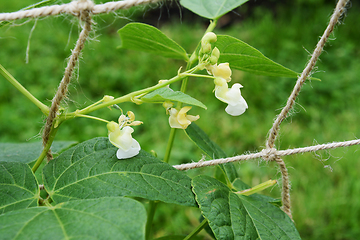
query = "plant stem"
{"x": 183, "y": 89}
{"x": 150, "y": 218}
{"x": 24, "y": 91}
{"x": 196, "y": 230}
{"x": 130, "y": 96}
{"x": 46, "y": 148}
{"x": 211, "y": 26}
{"x": 169, "y": 145}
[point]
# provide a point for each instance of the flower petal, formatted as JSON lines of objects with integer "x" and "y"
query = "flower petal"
{"x": 131, "y": 152}
{"x": 122, "y": 138}
{"x": 233, "y": 95}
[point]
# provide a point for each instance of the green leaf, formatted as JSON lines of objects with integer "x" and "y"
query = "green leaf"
{"x": 244, "y": 57}
{"x": 211, "y": 149}
{"x": 28, "y": 152}
{"x": 91, "y": 170}
{"x": 103, "y": 218}
{"x": 232, "y": 216}
{"x": 166, "y": 94}
{"x": 211, "y": 9}
{"x": 18, "y": 187}
{"x": 146, "y": 38}
{"x": 178, "y": 237}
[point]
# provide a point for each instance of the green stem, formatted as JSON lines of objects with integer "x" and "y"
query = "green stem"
{"x": 169, "y": 145}
{"x": 46, "y": 149}
{"x": 77, "y": 114}
{"x": 130, "y": 96}
{"x": 24, "y": 91}
{"x": 184, "y": 83}
{"x": 211, "y": 26}
{"x": 200, "y": 76}
{"x": 196, "y": 230}
{"x": 150, "y": 218}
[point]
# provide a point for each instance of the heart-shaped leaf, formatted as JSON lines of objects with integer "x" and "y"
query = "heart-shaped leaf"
{"x": 18, "y": 187}
{"x": 213, "y": 9}
{"x": 166, "y": 94}
{"x": 233, "y": 216}
{"x": 28, "y": 152}
{"x": 103, "y": 218}
{"x": 244, "y": 57}
{"x": 146, "y": 38}
{"x": 91, "y": 170}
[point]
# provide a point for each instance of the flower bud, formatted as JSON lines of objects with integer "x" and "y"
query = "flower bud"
{"x": 213, "y": 60}
{"x": 205, "y": 48}
{"x": 112, "y": 126}
{"x": 131, "y": 115}
{"x": 215, "y": 52}
{"x": 108, "y": 98}
{"x": 209, "y": 37}
{"x": 168, "y": 104}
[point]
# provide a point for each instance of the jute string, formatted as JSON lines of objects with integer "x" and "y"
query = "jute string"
{"x": 84, "y": 15}
{"x": 74, "y": 8}
{"x": 83, "y": 9}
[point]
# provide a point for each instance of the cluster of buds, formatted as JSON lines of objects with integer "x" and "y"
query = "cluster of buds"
{"x": 206, "y": 50}
{"x": 120, "y": 136}
{"x": 222, "y": 73}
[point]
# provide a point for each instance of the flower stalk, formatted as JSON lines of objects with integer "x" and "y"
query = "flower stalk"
{"x": 24, "y": 91}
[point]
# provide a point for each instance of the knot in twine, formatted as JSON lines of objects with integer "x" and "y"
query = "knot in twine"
{"x": 77, "y": 8}
{"x": 269, "y": 154}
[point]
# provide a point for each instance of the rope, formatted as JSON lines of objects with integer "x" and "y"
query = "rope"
{"x": 74, "y": 8}
{"x": 63, "y": 87}
{"x": 266, "y": 154}
{"x": 339, "y": 10}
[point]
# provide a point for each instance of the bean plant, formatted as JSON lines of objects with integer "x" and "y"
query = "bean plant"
{"x": 108, "y": 187}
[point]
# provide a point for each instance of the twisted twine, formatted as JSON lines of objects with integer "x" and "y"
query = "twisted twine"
{"x": 339, "y": 10}
{"x": 84, "y": 15}
{"x": 75, "y": 8}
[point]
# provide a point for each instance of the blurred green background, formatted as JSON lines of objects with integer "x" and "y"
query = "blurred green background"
{"x": 325, "y": 185}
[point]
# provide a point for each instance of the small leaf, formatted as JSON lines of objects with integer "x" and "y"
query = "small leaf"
{"x": 166, "y": 94}
{"x": 202, "y": 140}
{"x": 28, "y": 152}
{"x": 146, "y": 38}
{"x": 103, "y": 218}
{"x": 232, "y": 216}
{"x": 211, "y": 9}
{"x": 91, "y": 170}
{"x": 239, "y": 185}
{"x": 18, "y": 187}
{"x": 244, "y": 57}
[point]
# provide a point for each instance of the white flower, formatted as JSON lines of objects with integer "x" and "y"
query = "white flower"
{"x": 179, "y": 119}
{"x": 120, "y": 136}
{"x": 232, "y": 96}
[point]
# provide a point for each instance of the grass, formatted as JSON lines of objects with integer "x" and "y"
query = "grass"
{"x": 324, "y": 193}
